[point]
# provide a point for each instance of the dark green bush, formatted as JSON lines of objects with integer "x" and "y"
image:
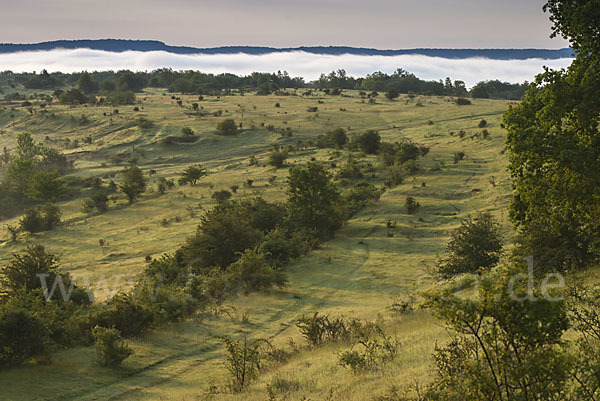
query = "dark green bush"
{"x": 227, "y": 127}
{"x": 475, "y": 245}
{"x": 125, "y": 314}
{"x": 111, "y": 350}
{"x": 22, "y": 337}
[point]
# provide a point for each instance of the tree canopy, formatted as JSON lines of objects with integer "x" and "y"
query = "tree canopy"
{"x": 554, "y": 145}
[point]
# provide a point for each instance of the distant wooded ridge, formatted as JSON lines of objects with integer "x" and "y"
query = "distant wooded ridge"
{"x": 122, "y": 45}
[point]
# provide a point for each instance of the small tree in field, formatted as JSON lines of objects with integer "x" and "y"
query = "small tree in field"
{"x": 221, "y": 196}
{"x": 243, "y": 361}
{"x": 227, "y": 127}
{"x": 475, "y": 245}
{"x": 23, "y": 336}
{"x": 369, "y": 142}
{"x": 277, "y": 158}
{"x": 192, "y": 174}
{"x": 111, "y": 350}
{"x": 133, "y": 183}
{"x": 22, "y": 273}
{"x": 392, "y": 94}
{"x": 411, "y": 205}
{"x": 314, "y": 199}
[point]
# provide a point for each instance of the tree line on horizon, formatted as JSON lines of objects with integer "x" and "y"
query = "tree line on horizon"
{"x": 197, "y": 82}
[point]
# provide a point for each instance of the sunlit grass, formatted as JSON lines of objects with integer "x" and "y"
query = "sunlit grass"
{"x": 358, "y": 273}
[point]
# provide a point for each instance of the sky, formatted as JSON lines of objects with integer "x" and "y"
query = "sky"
{"x": 383, "y": 24}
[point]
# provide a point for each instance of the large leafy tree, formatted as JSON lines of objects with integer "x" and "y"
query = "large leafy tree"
{"x": 313, "y": 199}
{"x": 554, "y": 146}
{"x": 133, "y": 183}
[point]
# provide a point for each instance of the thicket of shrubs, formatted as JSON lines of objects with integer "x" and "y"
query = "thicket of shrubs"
{"x": 32, "y": 175}
{"x": 239, "y": 247}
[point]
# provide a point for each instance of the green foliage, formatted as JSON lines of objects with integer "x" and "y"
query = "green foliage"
{"x": 86, "y": 84}
{"x": 126, "y": 314}
{"x": 395, "y": 175}
{"x": 392, "y": 94}
{"x": 133, "y": 183}
{"x": 186, "y": 131}
{"x": 243, "y": 362}
{"x": 252, "y": 272}
{"x": 74, "y": 96}
{"x": 360, "y": 196}
{"x": 277, "y": 158}
{"x": 577, "y": 21}
{"x": 192, "y": 174}
{"x": 229, "y": 229}
{"x": 584, "y": 312}
{"x": 461, "y": 101}
{"x": 458, "y": 156}
{"x": 320, "y": 329}
{"x": 554, "y": 145}
{"x": 369, "y": 353}
{"x": 121, "y": 97}
{"x": 335, "y": 138}
{"x": 279, "y": 247}
{"x": 41, "y": 218}
{"x": 144, "y": 123}
{"x": 111, "y": 350}
{"x": 355, "y": 169}
{"x": 22, "y": 337}
{"x": 98, "y": 201}
{"x": 31, "y": 174}
{"x": 227, "y": 127}
{"x": 474, "y": 246}
{"x": 314, "y": 199}
{"x": 44, "y": 80}
{"x": 507, "y": 344}
{"x": 46, "y": 187}
{"x": 367, "y": 142}
{"x": 400, "y": 152}
{"x": 221, "y": 196}
{"x": 498, "y": 90}
{"x": 22, "y": 272}
{"x": 411, "y": 205}
{"x": 13, "y": 231}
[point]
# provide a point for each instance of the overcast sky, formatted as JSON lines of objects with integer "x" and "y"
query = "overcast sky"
{"x": 385, "y": 24}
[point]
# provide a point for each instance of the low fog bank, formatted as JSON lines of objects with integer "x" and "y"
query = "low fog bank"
{"x": 309, "y": 66}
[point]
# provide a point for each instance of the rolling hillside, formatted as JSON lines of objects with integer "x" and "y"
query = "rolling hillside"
{"x": 364, "y": 271}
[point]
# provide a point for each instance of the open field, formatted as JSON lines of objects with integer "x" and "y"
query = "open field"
{"x": 359, "y": 273}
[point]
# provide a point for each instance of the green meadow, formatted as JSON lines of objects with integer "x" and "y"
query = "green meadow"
{"x": 362, "y": 272}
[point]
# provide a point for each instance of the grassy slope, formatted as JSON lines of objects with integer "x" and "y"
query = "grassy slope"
{"x": 357, "y": 274}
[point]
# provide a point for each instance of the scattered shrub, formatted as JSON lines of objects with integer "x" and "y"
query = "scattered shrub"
{"x": 475, "y": 245}
{"x": 277, "y": 158}
{"x": 227, "y": 127}
{"x": 243, "y": 361}
{"x": 411, "y": 205}
{"x": 42, "y": 218}
{"x": 458, "y": 156}
{"x": 111, "y": 350}
{"x": 221, "y": 196}
{"x": 372, "y": 353}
